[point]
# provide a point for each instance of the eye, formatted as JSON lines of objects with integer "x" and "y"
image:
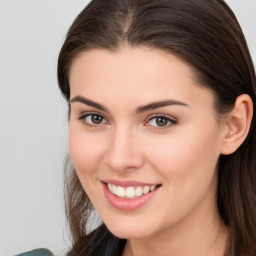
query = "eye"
{"x": 161, "y": 121}
{"x": 93, "y": 119}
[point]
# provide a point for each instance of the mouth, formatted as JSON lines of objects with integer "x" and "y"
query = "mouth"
{"x": 131, "y": 191}
{"x": 130, "y": 195}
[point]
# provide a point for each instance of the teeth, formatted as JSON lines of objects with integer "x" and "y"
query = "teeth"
{"x": 130, "y": 192}
{"x": 113, "y": 189}
{"x": 110, "y": 186}
{"x": 145, "y": 189}
{"x": 138, "y": 191}
{"x": 152, "y": 188}
{"x": 120, "y": 191}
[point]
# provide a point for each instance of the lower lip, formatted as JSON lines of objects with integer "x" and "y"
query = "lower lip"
{"x": 128, "y": 204}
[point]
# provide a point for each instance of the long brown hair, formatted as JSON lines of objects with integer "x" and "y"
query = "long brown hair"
{"x": 207, "y": 36}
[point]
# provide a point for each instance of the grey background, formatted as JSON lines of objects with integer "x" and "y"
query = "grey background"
{"x": 33, "y": 124}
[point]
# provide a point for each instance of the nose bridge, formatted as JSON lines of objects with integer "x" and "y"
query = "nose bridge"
{"x": 123, "y": 152}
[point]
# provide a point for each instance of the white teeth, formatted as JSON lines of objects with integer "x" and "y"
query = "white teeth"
{"x": 152, "y": 188}
{"x": 130, "y": 192}
{"x": 145, "y": 189}
{"x": 138, "y": 191}
{"x": 120, "y": 191}
{"x": 113, "y": 189}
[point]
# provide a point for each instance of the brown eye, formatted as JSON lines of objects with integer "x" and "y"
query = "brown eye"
{"x": 96, "y": 119}
{"x": 161, "y": 121}
{"x": 93, "y": 119}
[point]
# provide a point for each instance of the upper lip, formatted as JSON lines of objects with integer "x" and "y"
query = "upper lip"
{"x": 128, "y": 183}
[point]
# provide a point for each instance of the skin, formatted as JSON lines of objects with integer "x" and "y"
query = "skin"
{"x": 181, "y": 218}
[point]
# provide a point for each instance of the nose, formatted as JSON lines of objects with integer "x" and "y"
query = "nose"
{"x": 123, "y": 151}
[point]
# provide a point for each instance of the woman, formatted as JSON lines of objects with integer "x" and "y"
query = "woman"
{"x": 161, "y": 129}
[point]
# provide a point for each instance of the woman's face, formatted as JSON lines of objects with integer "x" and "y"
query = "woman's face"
{"x": 144, "y": 139}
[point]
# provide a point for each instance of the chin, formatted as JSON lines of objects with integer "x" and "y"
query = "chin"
{"x": 129, "y": 230}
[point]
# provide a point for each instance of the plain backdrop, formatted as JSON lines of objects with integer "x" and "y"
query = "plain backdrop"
{"x": 33, "y": 119}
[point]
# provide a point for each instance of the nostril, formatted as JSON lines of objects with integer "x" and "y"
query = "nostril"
{"x": 123, "y": 163}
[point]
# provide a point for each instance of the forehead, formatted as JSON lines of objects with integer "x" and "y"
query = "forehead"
{"x": 143, "y": 73}
{"x": 128, "y": 59}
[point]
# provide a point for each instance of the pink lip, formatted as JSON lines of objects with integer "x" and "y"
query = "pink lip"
{"x": 129, "y": 183}
{"x": 127, "y": 204}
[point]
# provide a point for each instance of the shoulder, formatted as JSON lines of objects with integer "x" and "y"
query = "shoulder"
{"x": 37, "y": 252}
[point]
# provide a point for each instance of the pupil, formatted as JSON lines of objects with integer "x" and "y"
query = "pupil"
{"x": 161, "y": 121}
{"x": 96, "y": 119}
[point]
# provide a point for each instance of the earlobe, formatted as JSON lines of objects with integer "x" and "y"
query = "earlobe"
{"x": 238, "y": 124}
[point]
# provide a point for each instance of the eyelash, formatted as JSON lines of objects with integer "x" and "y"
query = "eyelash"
{"x": 84, "y": 116}
{"x": 170, "y": 121}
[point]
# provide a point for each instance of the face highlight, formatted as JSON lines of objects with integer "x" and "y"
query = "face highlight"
{"x": 144, "y": 139}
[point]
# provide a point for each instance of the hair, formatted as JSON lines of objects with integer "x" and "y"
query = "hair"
{"x": 206, "y": 35}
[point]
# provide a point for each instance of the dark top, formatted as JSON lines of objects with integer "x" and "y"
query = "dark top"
{"x": 100, "y": 243}
{"x": 37, "y": 252}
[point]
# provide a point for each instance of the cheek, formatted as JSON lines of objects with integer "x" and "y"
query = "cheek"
{"x": 187, "y": 164}
{"x": 85, "y": 150}
{"x": 189, "y": 155}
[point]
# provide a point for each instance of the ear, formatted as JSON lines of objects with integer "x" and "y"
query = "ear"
{"x": 238, "y": 124}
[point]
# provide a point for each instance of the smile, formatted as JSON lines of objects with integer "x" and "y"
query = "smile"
{"x": 130, "y": 192}
{"x": 130, "y": 195}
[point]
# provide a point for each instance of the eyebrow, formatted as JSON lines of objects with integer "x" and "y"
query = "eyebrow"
{"x": 89, "y": 103}
{"x": 139, "y": 110}
{"x": 159, "y": 104}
